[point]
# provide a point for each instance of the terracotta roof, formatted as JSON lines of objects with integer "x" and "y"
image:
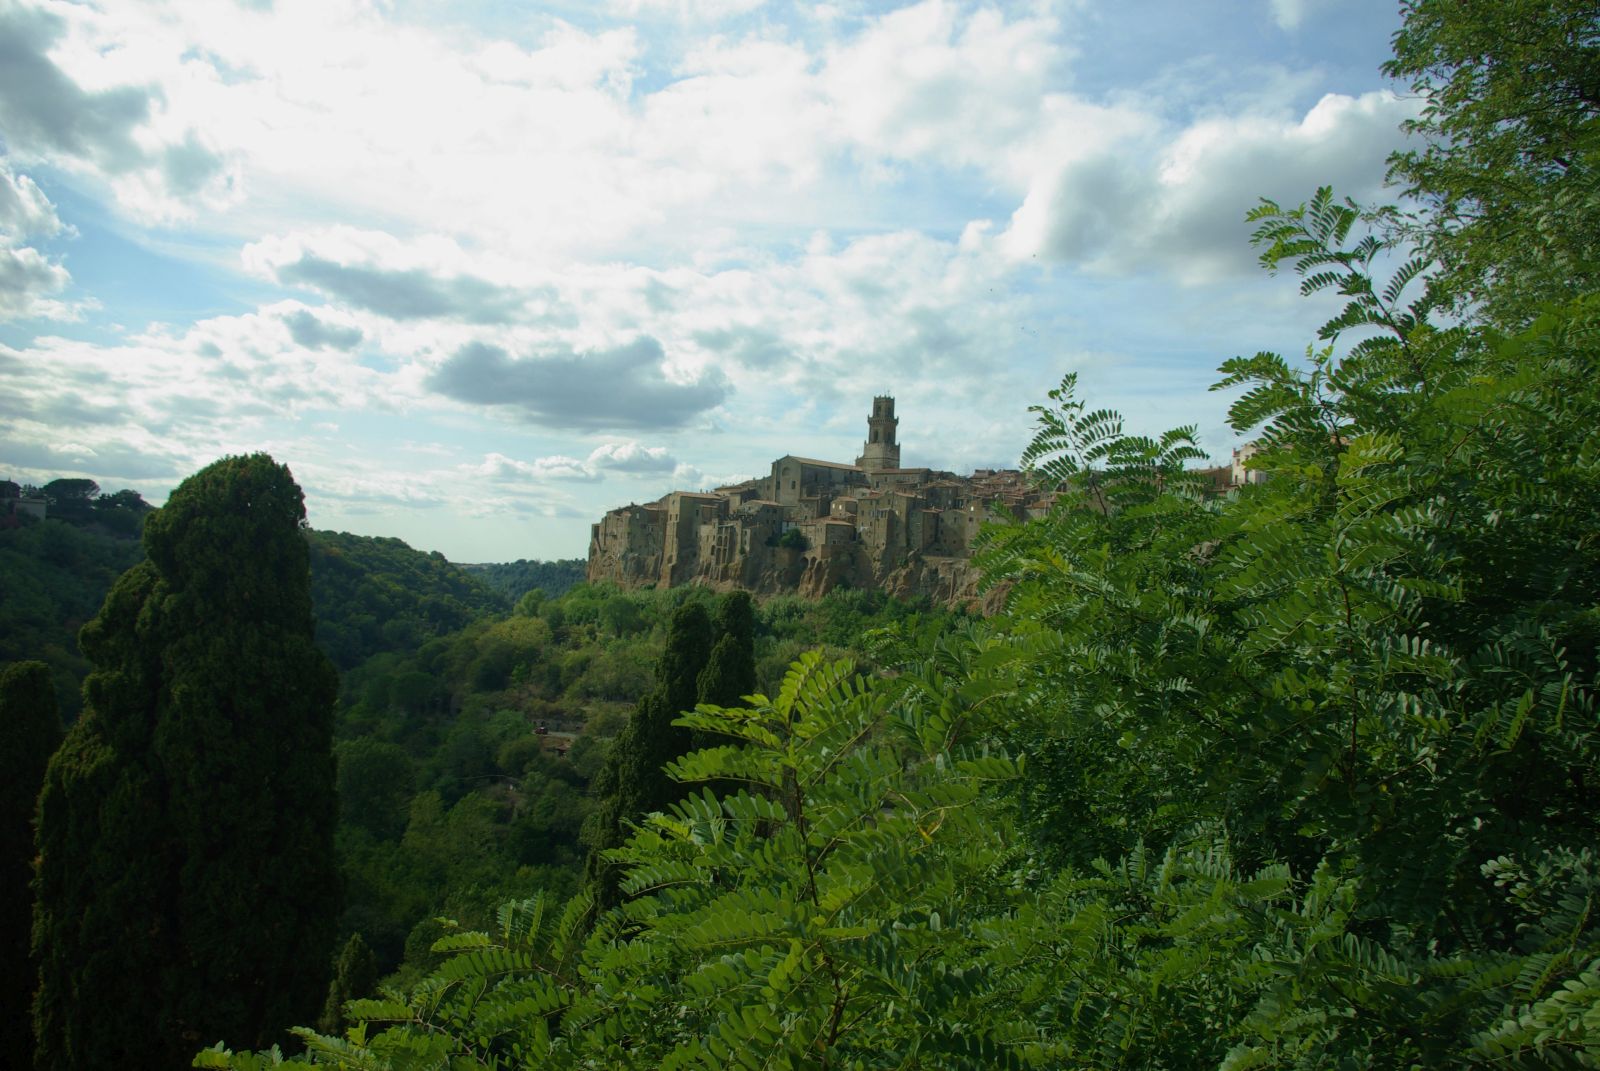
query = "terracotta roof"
{"x": 820, "y": 464}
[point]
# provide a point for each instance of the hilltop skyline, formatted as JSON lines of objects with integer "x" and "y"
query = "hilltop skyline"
{"x": 478, "y": 274}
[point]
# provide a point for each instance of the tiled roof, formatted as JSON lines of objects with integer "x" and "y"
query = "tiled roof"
{"x": 820, "y": 464}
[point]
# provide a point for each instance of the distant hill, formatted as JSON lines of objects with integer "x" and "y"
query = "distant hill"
{"x": 374, "y": 594}
{"x": 371, "y": 594}
{"x": 53, "y": 577}
{"x": 515, "y": 579}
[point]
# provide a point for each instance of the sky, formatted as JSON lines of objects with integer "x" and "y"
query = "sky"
{"x": 480, "y": 270}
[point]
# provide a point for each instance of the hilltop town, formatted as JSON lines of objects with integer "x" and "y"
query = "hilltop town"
{"x": 811, "y": 526}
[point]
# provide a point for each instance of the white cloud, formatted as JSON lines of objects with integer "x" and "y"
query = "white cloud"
{"x": 540, "y": 155}
{"x": 935, "y": 80}
{"x": 555, "y": 467}
{"x": 628, "y": 458}
{"x": 685, "y": 10}
{"x": 29, "y": 278}
{"x": 1181, "y": 207}
{"x": 25, "y": 212}
{"x": 181, "y": 396}
{"x": 1289, "y": 14}
{"x": 76, "y": 93}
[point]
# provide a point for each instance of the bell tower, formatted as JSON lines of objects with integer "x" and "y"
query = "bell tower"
{"x": 880, "y": 451}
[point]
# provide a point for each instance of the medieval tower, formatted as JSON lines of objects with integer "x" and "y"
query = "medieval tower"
{"x": 880, "y": 451}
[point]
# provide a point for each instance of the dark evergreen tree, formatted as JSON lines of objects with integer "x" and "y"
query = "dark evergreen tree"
{"x": 32, "y": 729}
{"x": 187, "y": 887}
{"x": 730, "y": 674}
{"x": 633, "y": 782}
{"x": 355, "y": 973}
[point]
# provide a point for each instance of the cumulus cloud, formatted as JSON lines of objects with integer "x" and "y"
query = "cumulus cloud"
{"x": 406, "y": 295}
{"x": 25, "y": 212}
{"x": 621, "y": 387}
{"x": 313, "y": 333}
{"x": 1183, "y": 211}
{"x": 43, "y": 110}
{"x": 754, "y": 347}
{"x": 105, "y": 463}
{"x": 934, "y": 80}
{"x": 27, "y": 276}
{"x": 554, "y": 467}
{"x": 630, "y": 457}
{"x": 191, "y": 394}
{"x": 429, "y": 278}
{"x": 119, "y": 131}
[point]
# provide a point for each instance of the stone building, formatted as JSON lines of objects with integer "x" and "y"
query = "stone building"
{"x": 872, "y": 524}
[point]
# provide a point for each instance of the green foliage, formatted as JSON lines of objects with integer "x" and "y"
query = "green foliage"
{"x": 375, "y": 783}
{"x": 792, "y": 538}
{"x": 804, "y": 921}
{"x": 515, "y": 580}
{"x": 1305, "y": 775}
{"x": 370, "y": 595}
{"x": 1508, "y": 167}
{"x": 186, "y": 823}
{"x": 355, "y": 973}
{"x": 1380, "y": 663}
{"x": 62, "y": 492}
{"x": 56, "y": 577}
{"x": 377, "y": 594}
{"x": 31, "y": 729}
{"x": 633, "y": 782}
{"x": 730, "y": 672}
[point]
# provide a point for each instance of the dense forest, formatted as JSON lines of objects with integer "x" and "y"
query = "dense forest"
{"x": 451, "y": 798}
{"x": 1304, "y": 775}
{"x": 513, "y": 579}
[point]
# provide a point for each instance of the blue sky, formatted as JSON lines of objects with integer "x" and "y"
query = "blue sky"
{"x": 479, "y": 271}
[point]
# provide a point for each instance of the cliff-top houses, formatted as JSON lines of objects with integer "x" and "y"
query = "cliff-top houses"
{"x": 812, "y": 525}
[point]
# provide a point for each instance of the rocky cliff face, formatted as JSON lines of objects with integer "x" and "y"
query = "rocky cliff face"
{"x": 813, "y": 526}
{"x": 810, "y": 573}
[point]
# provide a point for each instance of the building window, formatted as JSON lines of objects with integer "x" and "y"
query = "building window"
{"x": 791, "y": 485}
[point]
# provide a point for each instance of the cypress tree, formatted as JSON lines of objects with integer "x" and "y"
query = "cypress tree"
{"x": 32, "y": 729}
{"x": 355, "y": 973}
{"x": 187, "y": 888}
{"x": 633, "y": 783}
{"x": 730, "y": 673}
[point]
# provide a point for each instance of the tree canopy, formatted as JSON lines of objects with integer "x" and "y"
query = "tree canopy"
{"x": 31, "y": 729}
{"x": 186, "y": 823}
{"x": 1507, "y": 168}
